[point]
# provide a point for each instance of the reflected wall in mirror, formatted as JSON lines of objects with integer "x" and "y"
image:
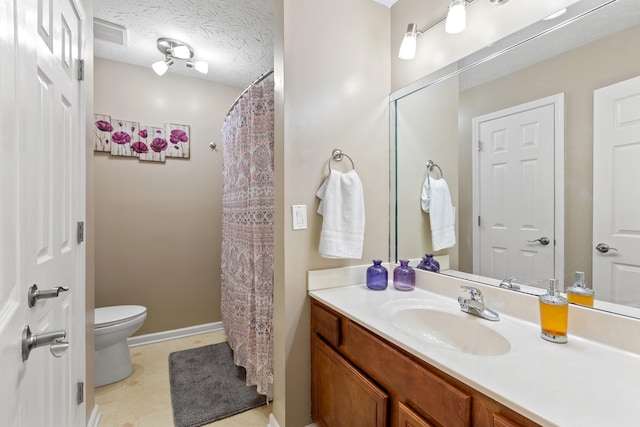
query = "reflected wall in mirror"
{"x": 594, "y": 50}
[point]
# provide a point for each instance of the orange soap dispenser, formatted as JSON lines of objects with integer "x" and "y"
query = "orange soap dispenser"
{"x": 579, "y": 293}
{"x": 554, "y": 314}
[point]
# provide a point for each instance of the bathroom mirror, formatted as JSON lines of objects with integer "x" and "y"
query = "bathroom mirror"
{"x": 555, "y": 66}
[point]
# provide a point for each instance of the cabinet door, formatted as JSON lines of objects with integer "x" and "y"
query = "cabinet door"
{"x": 500, "y": 420}
{"x": 341, "y": 396}
{"x": 408, "y": 418}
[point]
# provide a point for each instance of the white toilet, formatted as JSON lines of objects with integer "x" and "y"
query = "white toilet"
{"x": 113, "y": 326}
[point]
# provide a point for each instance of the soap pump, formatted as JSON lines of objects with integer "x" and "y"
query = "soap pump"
{"x": 579, "y": 293}
{"x": 554, "y": 314}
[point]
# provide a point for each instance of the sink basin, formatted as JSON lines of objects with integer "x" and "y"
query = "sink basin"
{"x": 456, "y": 331}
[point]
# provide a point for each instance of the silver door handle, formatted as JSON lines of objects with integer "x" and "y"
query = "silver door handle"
{"x": 55, "y": 340}
{"x": 604, "y": 248}
{"x": 35, "y": 294}
{"x": 544, "y": 241}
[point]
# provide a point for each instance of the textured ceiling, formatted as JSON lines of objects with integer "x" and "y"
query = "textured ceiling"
{"x": 235, "y": 37}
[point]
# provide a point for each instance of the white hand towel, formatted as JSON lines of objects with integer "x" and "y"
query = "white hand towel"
{"x": 441, "y": 215}
{"x": 425, "y": 197}
{"x": 342, "y": 208}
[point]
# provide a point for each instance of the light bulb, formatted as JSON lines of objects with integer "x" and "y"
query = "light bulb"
{"x": 456, "y": 18}
{"x": 181, "y": 52}
{"x": 408, "y": 46}
{"x": 201, "y": 66}
{"x": 160, "y": 67}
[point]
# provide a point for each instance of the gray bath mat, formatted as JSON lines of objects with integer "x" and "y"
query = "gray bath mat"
{"x": 207, "y": 386}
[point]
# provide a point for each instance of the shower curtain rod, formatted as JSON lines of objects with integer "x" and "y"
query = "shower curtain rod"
{"x": 255, "y": 82}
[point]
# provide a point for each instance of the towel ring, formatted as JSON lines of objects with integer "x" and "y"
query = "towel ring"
{"x": 337, "y": 155}
{"x": 431, "y": 165}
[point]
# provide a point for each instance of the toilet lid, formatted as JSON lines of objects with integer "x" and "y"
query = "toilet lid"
{"x": 107, "y": 316}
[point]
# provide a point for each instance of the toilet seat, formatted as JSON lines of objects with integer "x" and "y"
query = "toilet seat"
{"x": 109, "y": 316}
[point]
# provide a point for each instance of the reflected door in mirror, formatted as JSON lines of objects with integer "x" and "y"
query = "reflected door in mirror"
{"x": 616, "y": 205}
{"x": 515, "y": 192}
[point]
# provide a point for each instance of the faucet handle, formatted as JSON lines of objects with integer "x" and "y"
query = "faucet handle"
{"x": 475, "y": 292}
{"x": 508, "y": 283}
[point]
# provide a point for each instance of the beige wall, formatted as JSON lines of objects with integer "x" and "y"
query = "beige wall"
{"x": 332, "y": 86}
{"x": 157, "y": 225}
{"x": 577, "y": 73}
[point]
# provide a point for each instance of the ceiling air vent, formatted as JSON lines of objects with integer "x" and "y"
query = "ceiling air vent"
{"x": 108, "y": 31}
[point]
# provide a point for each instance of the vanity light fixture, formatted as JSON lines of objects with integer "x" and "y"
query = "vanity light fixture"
{"x": 456, "y": 17}
{"x": 408, "y": 46}
{"x": 455, "y": 22}
{"x": 555, "y": 14}
{"x": 175, "y": 49}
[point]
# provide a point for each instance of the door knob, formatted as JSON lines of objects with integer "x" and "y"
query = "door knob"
{"x": 55, "y": 340}
{"x": 604, "y": 248}
{"x": 35, "y": 294}
{"x": 544, "y": 241}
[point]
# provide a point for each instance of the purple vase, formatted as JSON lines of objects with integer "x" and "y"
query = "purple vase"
{"x": 404, "y": 276}
{"x": 377, "y": 276}
{"x": 429, "y": 264}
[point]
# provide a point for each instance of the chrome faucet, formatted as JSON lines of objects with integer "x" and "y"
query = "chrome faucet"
{"x": 475, "y": 304}
{"x": 508, "y": 283}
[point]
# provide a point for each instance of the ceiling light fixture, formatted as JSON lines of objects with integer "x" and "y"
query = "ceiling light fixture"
{"x": 175, "y": 49}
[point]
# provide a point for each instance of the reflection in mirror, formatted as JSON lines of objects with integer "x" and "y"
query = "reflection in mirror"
{"x": 538, "y": 141}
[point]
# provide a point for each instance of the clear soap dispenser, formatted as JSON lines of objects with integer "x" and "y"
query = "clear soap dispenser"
{"x": 579, "y": 293}
{"x": 554, "y": 314}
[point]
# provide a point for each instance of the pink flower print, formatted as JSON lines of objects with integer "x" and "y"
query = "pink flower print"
{"x": 142, "y": 133}
{"x": 140, "y": 147}
{"x": 159, "y": 144}
{"x": 178, "y": 135}
{"x": 104, "y": 126}
{"x": 121, "y": 138}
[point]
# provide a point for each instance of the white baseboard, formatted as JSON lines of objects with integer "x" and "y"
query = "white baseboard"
{"x": 273, "y": 422}
{"x": 173, "y": 334}
{"x": 94, "y": 419}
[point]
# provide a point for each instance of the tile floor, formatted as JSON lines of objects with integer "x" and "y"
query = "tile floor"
{"x": 143, "y": 399}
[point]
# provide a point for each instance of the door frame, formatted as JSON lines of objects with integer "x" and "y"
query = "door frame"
{"x": 557, "y": 101}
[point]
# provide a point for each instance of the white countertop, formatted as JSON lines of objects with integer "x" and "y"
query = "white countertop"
{"x": 581, "y": 383}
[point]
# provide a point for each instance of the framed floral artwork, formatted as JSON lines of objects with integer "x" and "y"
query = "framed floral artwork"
{"x": 179, "y": 142}
{"x": 148, "y": 143}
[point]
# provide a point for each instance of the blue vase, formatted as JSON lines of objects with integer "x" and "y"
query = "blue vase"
{"x": 404, "y": 276}
{"x": 428, "y": 263}
{"x": 377, "y": 276}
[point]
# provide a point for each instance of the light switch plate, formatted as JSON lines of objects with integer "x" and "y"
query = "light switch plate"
{"x": 299, "y": 216}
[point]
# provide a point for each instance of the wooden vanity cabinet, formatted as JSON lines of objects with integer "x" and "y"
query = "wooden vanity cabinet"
{"x": 360, "y": 379}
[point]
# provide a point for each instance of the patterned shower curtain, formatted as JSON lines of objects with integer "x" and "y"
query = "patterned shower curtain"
{"x": 247, "y": 233}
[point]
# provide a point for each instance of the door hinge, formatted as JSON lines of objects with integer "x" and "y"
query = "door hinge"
{"x": 80, "y": 232}
{"x": 80, "y": 393}
{"x": 81, "y": 70}
{"x": 479, "y": 145}
{"x": 478, "y": 220}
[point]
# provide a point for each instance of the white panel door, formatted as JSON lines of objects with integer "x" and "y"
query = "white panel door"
{"x": 515, "y": 198}
{"x": 616, "y": 196}
{"x": 42, "y": 196}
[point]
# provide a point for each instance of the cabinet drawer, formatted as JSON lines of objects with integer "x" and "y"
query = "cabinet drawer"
{"x": 445, "y": 404}
{"x": 326, "y": 324}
